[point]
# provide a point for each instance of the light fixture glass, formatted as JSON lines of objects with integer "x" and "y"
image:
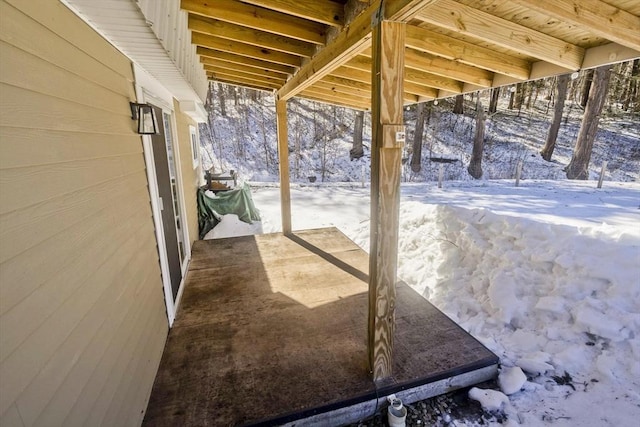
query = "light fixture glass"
{"x": 147, "y": 122}
{"x": 146, "y": 116}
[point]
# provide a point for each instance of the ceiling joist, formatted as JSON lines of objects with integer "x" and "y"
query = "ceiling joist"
{"x": 315, "y": 95}
{"x": 232, "y": 75}
{"x": 484, "y": 26}
{"x": 243, "y": 60}
{"x": 246, "y": 85}
{"x": 230, "y": 66}
{"x": 244, "y": 49}
{"x": 238, "y": 81}
{"x": 600, "y": 18}
{"x": 322, "y": 11}
{"x": 456, "y": 50}
{"x": 354, "y": 38}
{"x": 258, "y": 18}
{"x": 250, "y": 36}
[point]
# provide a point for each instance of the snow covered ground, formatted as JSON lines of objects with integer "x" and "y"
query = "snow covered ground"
{"x": 546, "y": 275}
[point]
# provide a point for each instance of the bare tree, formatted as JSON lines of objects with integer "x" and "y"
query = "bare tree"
{"x": 458, "y": 108}
{"x": 579, "y": 164}
{"x": 357, "y": 151}
{"x": 493, "y": 103}
{"x": 475, "y": 165}
{"x": 417, "y": 140}
{"x": 222, "y": 100}
{"x": 586, "y": 88}
{"x": 561, "y": 90}
{"x": 519, "y": 95}
{"x": 512, "y": 96}
{"x": 296, "y": 127}
{"x": 631, "y": 92}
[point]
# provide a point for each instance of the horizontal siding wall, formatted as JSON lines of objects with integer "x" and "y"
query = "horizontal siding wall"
{"x": 82, "y": 314}
{"x": 191, "y": 177}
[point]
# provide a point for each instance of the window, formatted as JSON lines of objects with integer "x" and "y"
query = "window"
{"x": 195, "y": 152}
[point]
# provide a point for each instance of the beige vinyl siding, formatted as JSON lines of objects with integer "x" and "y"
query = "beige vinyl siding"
{"x": 190, "y": 176}
{"x": 82, "y": 315}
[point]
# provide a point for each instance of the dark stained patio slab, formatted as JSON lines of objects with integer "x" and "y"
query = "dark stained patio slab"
{"x": 272, "y": 329}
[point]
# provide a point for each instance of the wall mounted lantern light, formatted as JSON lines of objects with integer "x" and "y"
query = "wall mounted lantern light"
{"x": 147, "y": 122}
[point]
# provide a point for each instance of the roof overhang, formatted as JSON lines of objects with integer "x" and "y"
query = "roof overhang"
{"x": 154, "y": 35}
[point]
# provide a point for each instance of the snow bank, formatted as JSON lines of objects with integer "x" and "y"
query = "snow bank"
{"x": 549, "y": 299}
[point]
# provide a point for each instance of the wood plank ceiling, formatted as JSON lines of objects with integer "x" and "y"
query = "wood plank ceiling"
{"x": 320, "y": 49}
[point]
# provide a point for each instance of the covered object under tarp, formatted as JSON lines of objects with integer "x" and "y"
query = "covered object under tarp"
{"x": 237, "y": 201}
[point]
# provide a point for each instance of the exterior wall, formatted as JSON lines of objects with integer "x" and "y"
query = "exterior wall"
{"x": 82, "y": 314}
{"x": 191, "y": 177}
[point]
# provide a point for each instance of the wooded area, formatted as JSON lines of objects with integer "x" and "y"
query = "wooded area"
{"x": 318, "y": 126}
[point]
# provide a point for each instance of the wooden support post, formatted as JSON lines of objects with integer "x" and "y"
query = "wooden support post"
{"x": 602, "y": 172}
{"x": 283, "y": 157}
{"x": 386, "y": 154}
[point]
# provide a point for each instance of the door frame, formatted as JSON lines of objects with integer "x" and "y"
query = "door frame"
{"x": 148, "y": 90}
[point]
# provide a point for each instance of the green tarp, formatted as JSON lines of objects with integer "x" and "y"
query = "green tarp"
{"x": 236, "y": 201}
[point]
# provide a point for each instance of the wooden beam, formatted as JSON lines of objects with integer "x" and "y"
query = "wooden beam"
{"x": 219, "y": 71}
{"x": 608, "y": 54}
{"x": 354, "y": 37}
{"x": 258, "y": 18}
{"x": 403, "y": 11}
{"x": 240, "y": 81}
{"x": 467, "y": 53}
{"x": 362, "y": 62}
{"x": 420, "y": 90}
{"x": 358, "y": 75}
{"x": 335, "y": 99}
{"x": 244, "y": 49}
{"x": 341, "y": 102}
{"x": 365, "y": 86}
{"x": 352, "y": 74}
{"x": 358, "y": 89}
{"x": 432, "y": 80}
{"x": 244, "y": 61}
{"x": 283, "y": 157}
{"x": 486, "y": 27}
{"x": 386, "y": 155}
{"x": 240, "y": 84}
{"x": 231, "y": 66}
{"x": 322, "y": 11}
{"x": 446, "y": 68}
{"x": 595, "y": 16}
{"x": 250, "y": 36}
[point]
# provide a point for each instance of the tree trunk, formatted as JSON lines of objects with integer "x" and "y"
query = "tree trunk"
{"x": 475, "y": 166}
{"x": 578, "y": 167}
{"x": 416, "y": 156}
{"x": 221, "y": 99}
{"x": 520, "y": 90}
{"x": 357, "y": 151}
{"x": 458, "y": 108}
{"x": 632, "y": 89}
{"x": 586, "y": 88}
{"x": 550, "y": 144}
{"x": 234, "y": 92}
{"x": 493, "y": 103}
{"x": 529, "y": 94}
{"x": 512, "y": 97}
